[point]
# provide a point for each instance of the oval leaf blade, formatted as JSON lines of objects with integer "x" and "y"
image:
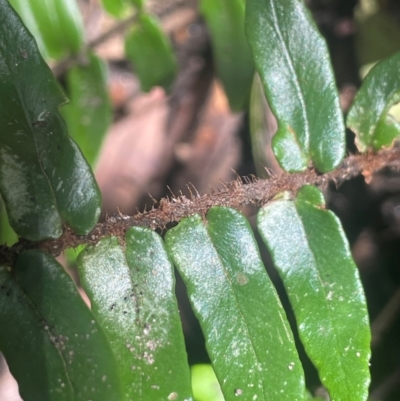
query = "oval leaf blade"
{"x": 247, "y": 334}
{"x": 293, "y": 62}
{"x": 39, "y": 163}
{"x": 369, "y": 116}
{"x": 133, "y": 297}
{"x": 151, "y": 53}
{"x": 312, "y": 256}
{"x": 71, "y": 326}
{"x": 89, "y": 114}
{"x": 34, "y": 360}
{"x": 234, "y": 62}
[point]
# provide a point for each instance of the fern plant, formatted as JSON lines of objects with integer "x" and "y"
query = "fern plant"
{"x": 129, "y": 345}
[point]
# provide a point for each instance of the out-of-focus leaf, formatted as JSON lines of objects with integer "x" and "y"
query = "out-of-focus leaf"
{"x": 133, "y": 297}
{"x": 151, "y": 53}
{"x": 260, "y": 130}
{"x": 71, "y": 326}
{"x": 55, "y": 23}
{"x": 258, "y": 126}
{"x": 7, "y": 234}
{"x": 117, "y": 8}
{"x": 28, "y": 347}
{"x": 234, "y": 62}
{"x": 24, "y": 9}
{"x": 138, "y": 3}
{"x": 70, "y": 25}
{"x": 205, "y": 384}
{"x": 71, "y": 254}
{"x": 369, "y": 116}
{"x": 311, "y": 253}
{"x": 293, "y": 62}
{"x": 247, "y": 334}
{"x": 39, "y": 163}
{"x": 377, "y": 34}
{"x": 89, "y": 113}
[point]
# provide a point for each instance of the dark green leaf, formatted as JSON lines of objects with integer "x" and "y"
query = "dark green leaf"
{"x": 293, "y": 62}
{"x": 133, "y": 297}
{"x": 225, "y": 20}
{"x": 369, "y": 116}
{"x": 55, "y": 23}
{"x": 311, "y": 253}
{"x": 28, "y": 347}
{"x": 70, "y": 326}
{"x": 247, "y": 334}
{"x": 39, "y": 163}
{"x": 89, "y": 113}
{"x": 151, "y": 53}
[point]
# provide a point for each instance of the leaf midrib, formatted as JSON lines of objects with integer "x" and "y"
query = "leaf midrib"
{"x": 328, "y": 305}
{"x": 243, "y": 315}
{"x": 295, "y": 80}
{"x": 32, "y": 132}
{"x": 48, "y": 332}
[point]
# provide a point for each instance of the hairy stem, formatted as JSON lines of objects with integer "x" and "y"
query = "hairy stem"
{"x": 236, "y": 194}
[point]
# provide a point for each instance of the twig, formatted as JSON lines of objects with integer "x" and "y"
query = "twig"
{"x": 60, "y": 68}
{"x": 235, "y": 194}
{"x": 385, "y": 318}
{"x": 387, "y": 387}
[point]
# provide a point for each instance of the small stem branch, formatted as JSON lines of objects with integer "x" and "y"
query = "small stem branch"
{"x": 120, "y": 27}
{"x": 385, "y": 319}
{"x": 61, "y": 67}
{"x": 235, "y": 195}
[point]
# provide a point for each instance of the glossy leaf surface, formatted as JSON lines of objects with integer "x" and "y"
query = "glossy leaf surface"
{"x": 293, "y": 62}
{"x": 132, "y": 295}
{"x": 89, "y": 113}
{"x": 247, "y": 334}
{"x": 33, "y": 359}
{"x": 39, "y": 163}
{"x": 151, "y": 53}
{"x": 71, "y": 326}
{"x": 311, "y": 253}
{"x": 369, "y": 116}
{"x": 234, "y": 62}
